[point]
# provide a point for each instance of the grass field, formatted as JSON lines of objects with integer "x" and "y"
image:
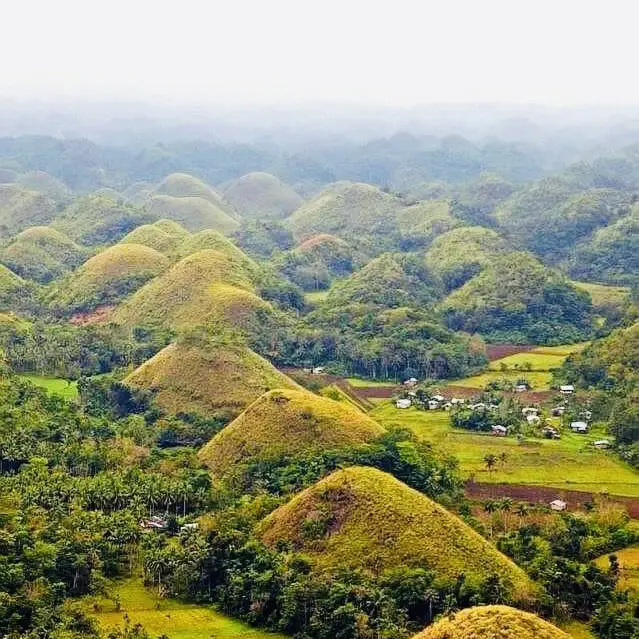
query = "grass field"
{"x": 356, "y": 382}
{"x": 629, "y": 564}
{"x": 176, "y": 619}
{"x": 566, "y": 463}
{"x": 537, "y": 361}
{"x": 54, "y": 385}
{"x": 578, "y": 630}
{"x": 602, "y": 294}
{"x": 539, "y": 380}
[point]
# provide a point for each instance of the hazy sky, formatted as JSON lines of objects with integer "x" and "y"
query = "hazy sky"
{"x": 392, "y": 52}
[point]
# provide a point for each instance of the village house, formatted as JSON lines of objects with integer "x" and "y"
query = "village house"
{"x": 410, "y": 382}
{"x": 529, "y": 410}
{"x": 579, "y": 427}
{"x": 567, "y": 389}
{"x": 433, "y": 404}
{"x": 479, "y": 406}
{"x": 558, "y": 505}
{"x": 499, "y": 430}
{"x": 318, "y": 370}
{"x": 154, "y": 523}
{"x": 533, "y": 420}
{"x": 521, "y": 388}
{"x": 438, "y": 398}
{"x": 457, "y": 400}
{"x": 550, "y": 433}
{"x": 602, "y": 444}
{"x": 403, "y": 403}
{"x": 558, "y": 411}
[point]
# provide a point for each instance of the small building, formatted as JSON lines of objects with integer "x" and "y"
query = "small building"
{"x": 457, "y": 400}
{"x": 550, "y": 433}
{"x": 499, "y": 430}
{"x": 529, "y": 410}
{"x": 318, "y": 370}
{"x": 533, "y": 420}
{"x": 602, "y": 444}
{"x": 433, "y": 404}
{"x": 521, "y": 388}
{"x": 579, "y": 427}
{"x": 479, "y": 406}
{"x": 567, "y": 389}
{"x": 558, "y": 411}
{"x": 403, "y": 403}
{"x": 438, "y": 398}
{"x": 558, "y": 505}
{"x": 411, "y": 381}
{"x": 154, "y": 523}
{"x": 192, "y": 526}
{"x": 447, "y": 406}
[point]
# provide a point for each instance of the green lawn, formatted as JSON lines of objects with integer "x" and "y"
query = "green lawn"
{"x": 54, "y": 385}
{"x": 538, "y": 361}
{"x": 176, "y": 619}
{"x": 566, "y": 463}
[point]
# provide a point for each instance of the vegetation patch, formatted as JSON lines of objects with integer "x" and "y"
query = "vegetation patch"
{"x": 55, "y": 385}
{"x": 163, "y": 235}
{"x": 195, "y": 213}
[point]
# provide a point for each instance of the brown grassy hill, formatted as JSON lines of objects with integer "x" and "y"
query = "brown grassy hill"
{"x": 185, "y": 295}
{"x": 219, "y": 380}
{"x": 287, "y": 422}
{"x": 108, "y": 277}
{"x": 185, "y": 185}
{"x": 492, "y": 622}
{"x": 195, "y": 213}
{"x": 365, "y": 518}
{"x": 258, "y": 195}
{"x": 41, "y": 253}
{"x": 163, "y": 236}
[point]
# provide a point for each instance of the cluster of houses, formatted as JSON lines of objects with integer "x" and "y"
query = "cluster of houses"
{"x": 436, "y": 402}
{"x": 160, "y": 523}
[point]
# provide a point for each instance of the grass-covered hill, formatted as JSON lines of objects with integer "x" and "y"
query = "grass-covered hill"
{"x": 193, "y": 212}
{"x": 15, "y": 293}
{"x": 42, "y": 254}
{"x": 421, "y": 223}
{"x": 163, "y": 236}
{"x": 259, "y": 195}
{"x": 492, "y": 622}
{"x": 315, "y": 262}
{"x": 97, "y": 219}
{"x": 186, "y": 294}
{"x": 185, "y": 185}
{"x": 42, "y": 182}
{"x": 611, "y": 255}
{"x": 515, "y": 298}
{"x": 461, "y": 253}
{"x": 287, "y": 423}
{"x": 210, "y": 379}
{"x": 359, "y": 213}
{"x": 21, "y": 209}
{"x": 362, "y": 518}
{"x": 108, "y": 277}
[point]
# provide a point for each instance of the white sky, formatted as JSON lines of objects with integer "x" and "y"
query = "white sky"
{"x": 395, "y": 52}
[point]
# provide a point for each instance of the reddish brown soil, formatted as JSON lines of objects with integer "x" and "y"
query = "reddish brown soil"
{"x": 544, "y": 495}
{"x": 99, "y": 315}
{"x": 497, "y": 351}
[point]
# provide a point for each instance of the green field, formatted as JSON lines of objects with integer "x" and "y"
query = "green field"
{"x": 315, "y": 297}
{"x": 539, "y": 380}
{"x": 578, "y": 630}
{"x": 566, "y": 463}
{"x": 602, "y": 294}
{"x": 536, "y": 361}
{"x": 629, "y": 564}
{"x": 176, "y": 619}
{"x": 54, "y": 385}
{"x": 356, "y": 382}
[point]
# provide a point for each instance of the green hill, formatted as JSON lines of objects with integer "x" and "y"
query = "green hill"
{"x": 362, "y": 518}
{"x": 94, "y": 220}
{"x": 359, "y": 213}
{"x": 421, "y": 223}
{"x": 41, "y": 253}
{"x": 462, "y": 252}
{"x": 258, "y": 195}
{"x": 611, "y": 255}
{"x": 195, "y": 213}
{"x": 20, "y": 209}
{"x": 210, "y": 239}
{"x": 492, "y": 622}
{"x": 185, "y": 295}
{"x": 217, "y": 380}
{"x": 517, "y": 299}
{"x": 287, "y": 423}
{"x": 163, "y": 235}
{"x": 185, "y": 185}
{"x": 108, "y": 277}
{"x": 41, "y": 182}
{"x": 14, "y": 291}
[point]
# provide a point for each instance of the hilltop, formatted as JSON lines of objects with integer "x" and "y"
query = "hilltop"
{"x": 193, "y": 212}
{"x": 163, "y": 235}
{"x": 492, "y": 622}
{"x": 461, "y": 253}
{"x": 108, "y": 277}
{"x": 287, "y": 423}
{"x": 354, "y": 212}
{"x": 259, "y": 195}
{"x": 184, "y": 294}
{"x": 42, "y": 182}
{"x": 517, "y": 299}
{"x": 41, "y": 253}
{"x": 362, "y": 518}
{"x": 97, "y": 219}
{"x": 213, "y": 380}
{"x": 185, "y": 185}
{"x": 421, "y": 223}
{"x": 21, "y": 208}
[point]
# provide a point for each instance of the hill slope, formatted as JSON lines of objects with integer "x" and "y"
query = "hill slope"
{"x": 364, "y": 518}
{"x": 193, "y": 212}
{"x": 108, "y": 277}
{"x": 218, "y": 380}
{"x": 41, "y": 253}
{"x": 185, "y": 185}
{"x": 287, "y": 422}
{"x": 163, "y": 235}
{"x": 21, "y": 208}
{"x": 259, "y": 195}
{"x": 492, "y": 622}
{"x": 186, "y": 295}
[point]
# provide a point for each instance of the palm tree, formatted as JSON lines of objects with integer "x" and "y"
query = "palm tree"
{"x": 490, "y": 461}
{"x": 521, "y": 509}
